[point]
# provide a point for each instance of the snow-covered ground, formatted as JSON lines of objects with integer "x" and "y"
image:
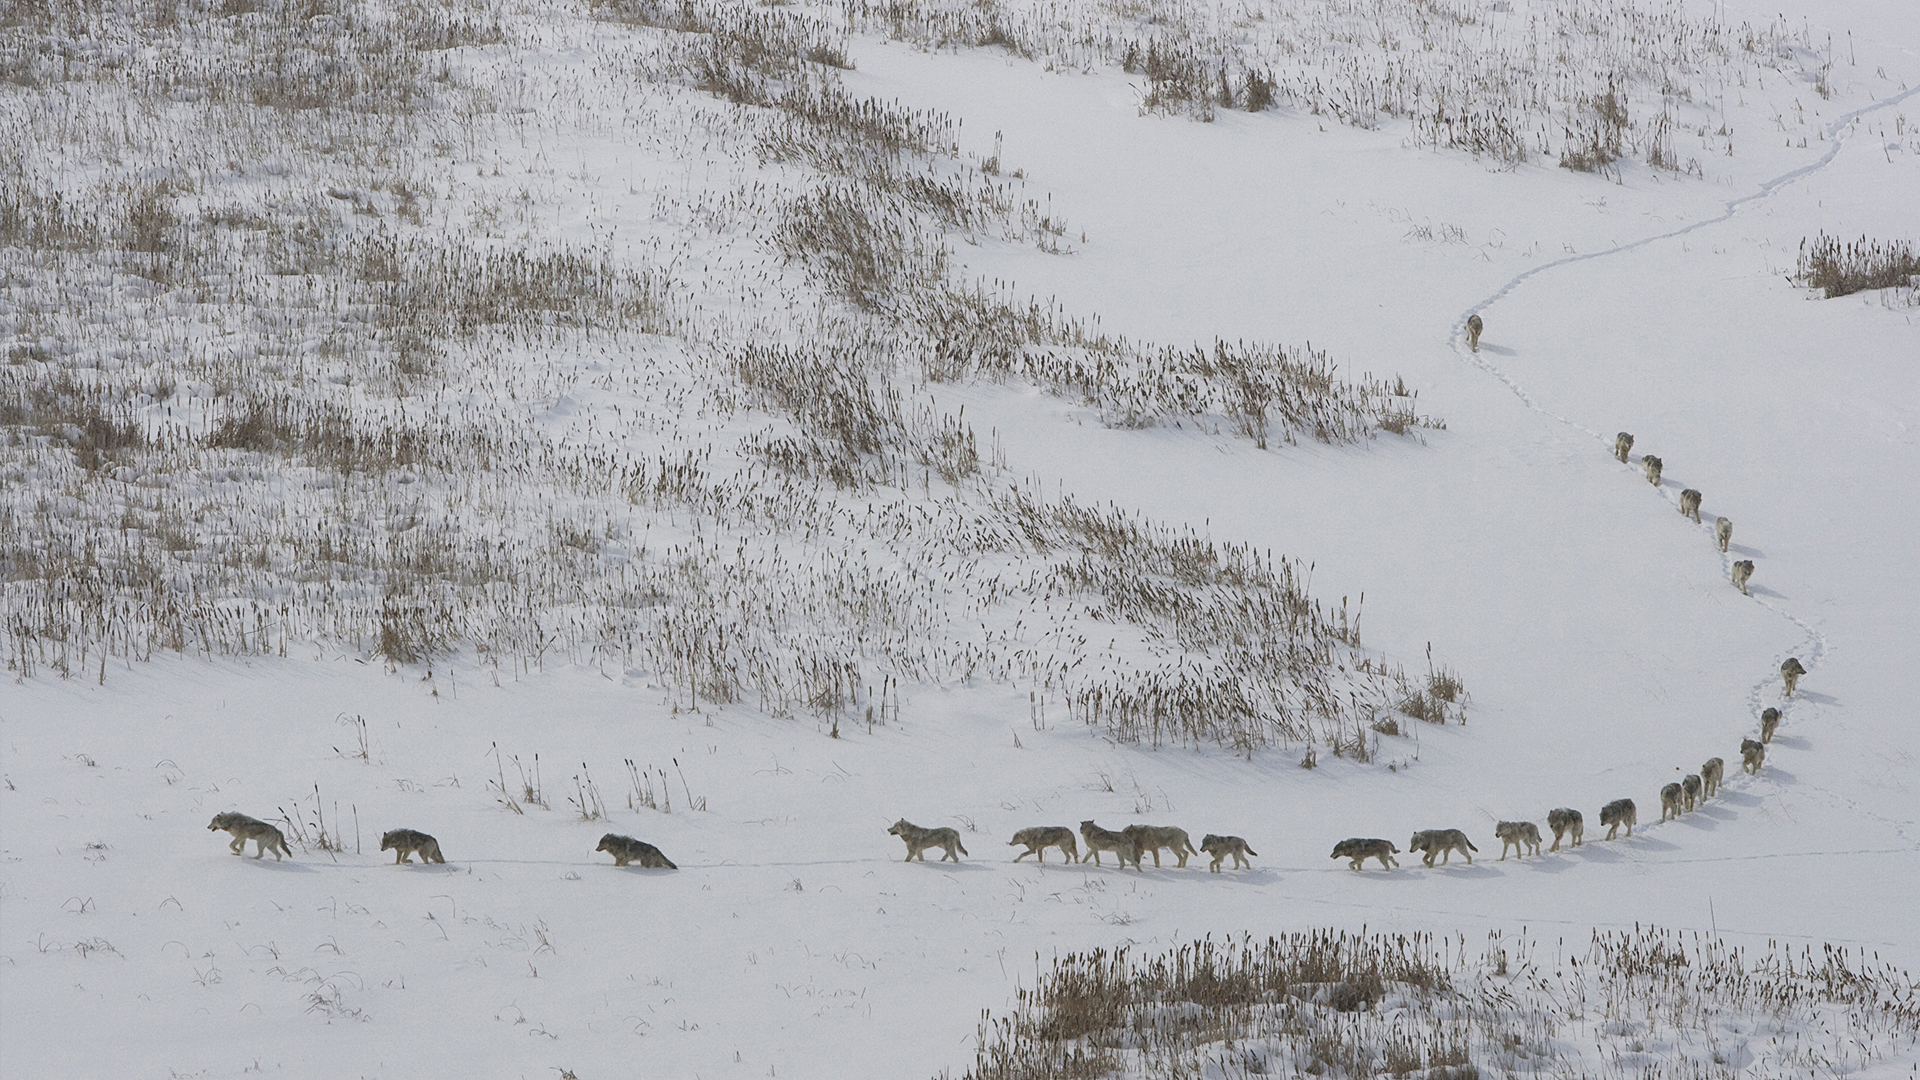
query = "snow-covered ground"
{"x": 1594, "y": 627}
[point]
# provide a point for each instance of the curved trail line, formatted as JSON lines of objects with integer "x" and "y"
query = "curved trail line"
{"x": 1816, "y": 642}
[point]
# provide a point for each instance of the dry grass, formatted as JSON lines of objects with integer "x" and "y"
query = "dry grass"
{"x": 1838, "y": 269}
{"x": 1327, "y": 1004}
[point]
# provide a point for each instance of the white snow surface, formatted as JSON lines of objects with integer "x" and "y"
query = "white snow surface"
{"x": 1605, "y": 652}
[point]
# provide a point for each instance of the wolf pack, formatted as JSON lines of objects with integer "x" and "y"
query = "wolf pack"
{"x": 1133, "y": 843}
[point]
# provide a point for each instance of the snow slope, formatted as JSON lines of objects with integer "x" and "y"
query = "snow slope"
{"x": 1604, "y": 650}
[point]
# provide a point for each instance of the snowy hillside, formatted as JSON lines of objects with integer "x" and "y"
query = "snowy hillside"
{"x": 742, "y": 428}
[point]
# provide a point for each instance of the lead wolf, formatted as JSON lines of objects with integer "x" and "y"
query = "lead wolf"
{"x": 1361, "y": 849}
{"x": 919, "y": 840}
{"x": 1041, "y": 837}
{"x": 626, "y": 849}
{"x": 1154, "y": 837}
{"x": 1441, "y": 842}
{"x": 404, "y": 842}
{"x": 1222, "y": 846}
{"x": 1122, "y": 845}
{"x": 264, "y": 836}
{"x": 1474, "y": 326}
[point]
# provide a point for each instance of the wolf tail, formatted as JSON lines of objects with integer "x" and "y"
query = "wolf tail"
{"x": 1250, "y": 851}
{"x": 962, "y": 847}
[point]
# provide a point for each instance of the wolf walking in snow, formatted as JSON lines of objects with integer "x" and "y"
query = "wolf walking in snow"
{"x": 1441, "y": 842}
{"x": 1670, "y": 801}
{"x": 404, "y": 842}
{"x": 1652, "y": 466}
{"x": 1690, "y": 504}
{"x": 1360, "y": 850}
{"x": 1790, "y": 672}
{"x": 1518, "y": 835}
{"x": 919, "y": 840}
{"x": 1690, "y": 791}
{"x": 1041, "y": 837}
{"x": 1769, "y": 722}
{"x": 264, "y": 836}
{"x": 1122, "y": 845}
{"x": 1563, "y": 821}
{"x": 1723, "y": 532}
{"x": 1710, "y": 775}
{"x": 1617, "y": 813}
{"x": 1154, "y": 837}
{"x": 1622, "y": 446}
{"x": 1742, "y": 573}
{"x": 1752, "y": 756}
{"x": 626, "y": 849}
{"x": 1474, "y": 326}
{"x": 1222, "y": 846}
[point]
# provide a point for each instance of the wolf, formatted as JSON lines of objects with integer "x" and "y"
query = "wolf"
{"x": 1041, "y": 837}
{"x": 1752, "y": 756}
{"x": 1690, "y": 504}
{"x": 1690, "y": 791}
{"x": 1474, "y": 326}
{"x": 919, "y": 840}
{"x": 1670, "y": 801}
{"x": 1360, "y": 850}
{"x": 1769, "y": 722}
{"x": 264, "y": 836}
{"x": 1710, "y": 774}
{"x": 1742, "y": 571}
{"x": 1518, "y": 835}
{"x": 1562, "y": 821}
{"x": 1622, "y": 446}
{"x": 1652, "y": 466}
{"x": 1441, "y": 842}
{"x": 1723, "y": 532}
{"x": 1617, "y": 813}
{"x": 1154, "y": 837}
{"x": 1123, "y": 846}
{"x": 404, "y": 842}
{"x": 626, "y": 849}
{"x": 1222, "y": 846}
{"x": 1790, "y": 671}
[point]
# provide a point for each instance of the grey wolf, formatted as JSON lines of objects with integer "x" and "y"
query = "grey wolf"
{"x": 1769, "y": 721}
{"x": 1791, "y": 671}
{"x": 1690, "y": 504}
{"x": 264, "y": 836}
{"x": 1752, "y": 756}
{"x": 1474, "y": 326}
{"x": 1518, "y": 835}
{"x": 1742, "y": 571}
{"x": 1653, "y": 466}
{"x": 1617, "y": 813}
{"x": 1723, "y": 532}
{"x": 404, "y": 842}
{"x": 919, "y": 840}
{"x": 1710, "y": 774}
{"x": 1441, "y": 842}
{"x": 1222, "y": 846}
{"x": 1622, "y": 445}
{"x": 1670, "y": 801}
{"x": 1041, "y": 837}
{"x": 626, "y": 849}
{"x": 1123, "y": 846}
{"x": 1690, "y": 790}
{"x": 1154, "y": 837}
{"x": 1360, "y": 850}
{"x": 1565, "y": 820}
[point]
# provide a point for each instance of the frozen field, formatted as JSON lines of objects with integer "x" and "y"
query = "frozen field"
{"x": 1602, "y": 649}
